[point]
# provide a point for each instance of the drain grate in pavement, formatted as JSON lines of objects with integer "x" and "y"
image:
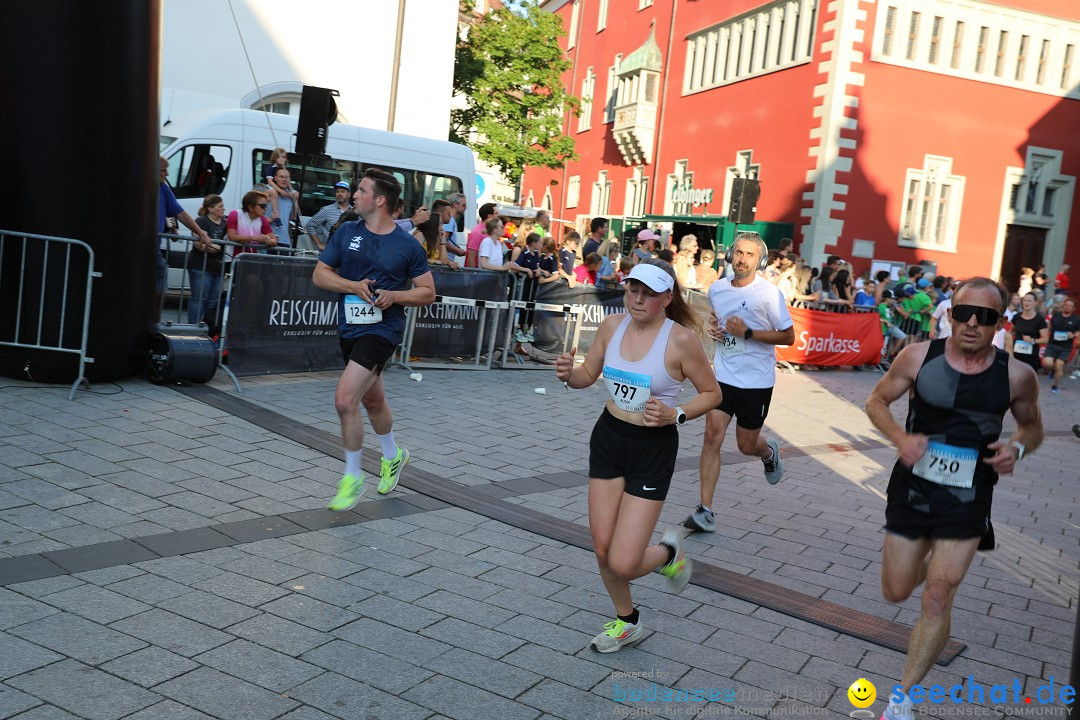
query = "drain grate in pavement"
{"x": 759, "y": 592}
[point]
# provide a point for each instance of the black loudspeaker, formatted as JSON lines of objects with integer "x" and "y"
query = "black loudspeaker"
{"x": 744, "y": 196}
{"x": 318, "y": 110}
{"x": 180, "y": 357}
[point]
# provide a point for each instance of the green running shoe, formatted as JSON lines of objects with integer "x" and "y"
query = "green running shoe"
{"x": 350, "y": 490}
{"x": 678, "y": 571}
{"x": 391, "y": 470}
{"x": 617, "y": 633}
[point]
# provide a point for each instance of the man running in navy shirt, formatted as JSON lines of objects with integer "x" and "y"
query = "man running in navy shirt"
{"x": 370, "y": 263}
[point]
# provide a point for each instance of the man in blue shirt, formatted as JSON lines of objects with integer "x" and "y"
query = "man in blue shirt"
{"x": 370, "y": 263}
{"x": 168, "y": 207}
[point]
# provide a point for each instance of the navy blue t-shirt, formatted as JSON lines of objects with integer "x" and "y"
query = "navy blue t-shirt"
{"x": 390, "y": 260}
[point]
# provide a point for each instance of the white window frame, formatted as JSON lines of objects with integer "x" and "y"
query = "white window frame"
{"x": 642, "y": 4}
{"x": 681, "y": 175}
{"x": 575, "y": 18}
{"x": 773, "y": 37}
{"x": 573, "y": 191}
{"x": 1018, "y": 48}
{"x": 612, "y": 90}
{"x": 601, "y": 17}
{"x": 921, "y": 216}
{"x": 601, "y": 195}
{"x": 637, "y": 193}
{"x": 588, "y": 88}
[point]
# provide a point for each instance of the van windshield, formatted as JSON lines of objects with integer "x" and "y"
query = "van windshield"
{"x": 316, "y": 187}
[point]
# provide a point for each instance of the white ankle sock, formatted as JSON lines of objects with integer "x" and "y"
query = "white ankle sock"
{"x": 352, "y": 462}
{"x": 389, "y": 447}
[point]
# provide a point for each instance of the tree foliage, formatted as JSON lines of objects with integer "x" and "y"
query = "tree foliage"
{"x": 508, "y": 67}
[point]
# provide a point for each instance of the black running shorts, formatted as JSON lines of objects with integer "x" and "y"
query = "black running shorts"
{"x": 1056, "y": 352}
{"x": 903, "y": 520}
{"x": 369, "y": 351}
{"x": 643, "y": 456}
{"x": 749, "y": 406}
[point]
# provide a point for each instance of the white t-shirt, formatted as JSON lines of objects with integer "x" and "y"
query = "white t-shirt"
{"x": 748, "y": 363}
{"x": 944, "y": 327}
{"x": 493, "y": 251}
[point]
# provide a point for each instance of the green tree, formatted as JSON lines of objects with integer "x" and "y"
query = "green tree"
{"x": 508, "y": 67}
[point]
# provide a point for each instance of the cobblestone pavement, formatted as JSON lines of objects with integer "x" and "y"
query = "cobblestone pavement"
{"x": 235, "y": 605}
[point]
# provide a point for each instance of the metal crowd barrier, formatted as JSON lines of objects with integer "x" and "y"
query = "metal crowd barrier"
{"x": 178, "y": 251}
{"x": 519, "y": 304}
{"x": 481, "y": 361}
{"x": 24, "y": 293}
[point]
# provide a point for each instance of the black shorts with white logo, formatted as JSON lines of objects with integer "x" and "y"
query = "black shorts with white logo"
{"x": 749, "y": 406}
{"x": 369, "y": 351}
{"x": 643, "y": 456}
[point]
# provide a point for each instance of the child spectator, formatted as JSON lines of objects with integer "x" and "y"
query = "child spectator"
{"x": 586, "y": 273}
{"x": 279, "y": 159}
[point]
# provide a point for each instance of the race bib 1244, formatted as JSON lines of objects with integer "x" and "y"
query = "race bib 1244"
{"x": 359, "y": 312}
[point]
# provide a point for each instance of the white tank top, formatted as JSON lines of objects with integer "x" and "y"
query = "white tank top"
{"x": 631, "y": 384}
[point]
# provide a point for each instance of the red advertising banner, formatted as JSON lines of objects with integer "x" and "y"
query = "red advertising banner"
{"x": 828, "y": 338}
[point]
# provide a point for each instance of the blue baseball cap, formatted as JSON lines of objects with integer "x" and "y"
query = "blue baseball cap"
{"x": 923, "y": 282}
{"x": 342, "y": 184}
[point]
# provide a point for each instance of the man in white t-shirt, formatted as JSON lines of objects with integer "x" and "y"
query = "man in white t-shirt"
{"x": 751, "y": 320}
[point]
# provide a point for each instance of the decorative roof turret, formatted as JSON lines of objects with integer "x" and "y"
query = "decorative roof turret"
{"x": 646, "y": 57}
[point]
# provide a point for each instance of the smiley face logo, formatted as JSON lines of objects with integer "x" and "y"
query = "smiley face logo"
{"x": 862, "y": 693}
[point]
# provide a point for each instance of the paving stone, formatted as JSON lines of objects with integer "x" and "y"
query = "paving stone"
{"x": 494, "y": 675}
{"x": 172, "y": 632}
{"x": 546, "y": 634}
{"x": 13, "y": 702}
{"x": 259, "y": 665}
{"x": 168, "y": 710}
{"x": 181, "y": 569}
{"x": 241, "y": 589}
{"x": 378, "y": 581}
{"x": 36, "y": 519}
{"x": 43, "y": 493}
{"x": 18, "y": 656}
{"x": 15, "y": 609}
{"x": 466, "y": 702}
{"x": 107, "y": 576}
{"x": 208, "y": 609}
{"x": 149, "y": 588}
{"x": 121, "y": 498}
{"x": 335, "y": 592}
{"x": 175, "y": 518}
{"x": 400, "y": 614}
{"x": 311, "y": 612}
{"x": 318, "y": 562}
{"x": 472, "y": 637}
{"x": 463, "y": 608}
{"x": 225, "y": 697}
{"x": 78, "y": 638}
{"x": 523, "y": 603}
{"x": 280, "y": 634}
{"x": 307, "y": 713}
{"x": 558, "y": 666}
{"x": 184, "y": 542}
{"x": 525, "y": 582}
{"x": 96, "y": 603}
{"x": 352, "y": 700}
{"x": 268, "y": 571}
{"x": 46, "y": 586}
{"x": 446, "y": 580}
{"x": 384, "y": 638}
{"x": 393, "y": 675}
{"x": 443, "y": 541}
{"x": 149, "y": 666}
{"x": 90, "y": 693}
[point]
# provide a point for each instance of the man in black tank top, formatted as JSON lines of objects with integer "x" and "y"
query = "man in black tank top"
{"x": 940, "y": 491}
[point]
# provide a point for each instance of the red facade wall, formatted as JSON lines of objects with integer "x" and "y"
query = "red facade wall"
{"x": 902, "y": 115}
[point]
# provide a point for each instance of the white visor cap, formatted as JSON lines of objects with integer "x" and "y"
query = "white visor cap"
{"x": 654, "y": 278}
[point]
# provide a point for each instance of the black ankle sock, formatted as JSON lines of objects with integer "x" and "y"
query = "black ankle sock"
{"x": 670, "y": 553}
{"x": 632, "y": 618}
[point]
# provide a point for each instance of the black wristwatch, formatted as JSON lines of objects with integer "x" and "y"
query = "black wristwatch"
{"x": 748, "y": 334}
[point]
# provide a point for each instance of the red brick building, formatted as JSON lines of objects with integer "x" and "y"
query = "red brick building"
{"x": 945, "y": 131}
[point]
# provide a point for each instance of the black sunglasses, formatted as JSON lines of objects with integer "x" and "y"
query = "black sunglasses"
{"x": 264, "y": 205}
{"x": 983, "y": 315}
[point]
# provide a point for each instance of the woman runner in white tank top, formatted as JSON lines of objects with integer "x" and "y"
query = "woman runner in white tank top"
{"x": 643, "y": 356}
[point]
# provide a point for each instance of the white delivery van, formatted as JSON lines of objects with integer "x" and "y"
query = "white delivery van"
{"x": 223, "y": 153}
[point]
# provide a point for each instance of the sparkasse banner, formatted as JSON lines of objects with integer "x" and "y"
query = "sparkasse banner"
{"x": 836, "y": 339}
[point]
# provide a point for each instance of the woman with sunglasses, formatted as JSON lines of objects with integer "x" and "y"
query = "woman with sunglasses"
{"x": 1029, "y": 331}
{"x": 644, "y": 356}
{"x": 250, "y": 225}
{"x": 950, "y": 455}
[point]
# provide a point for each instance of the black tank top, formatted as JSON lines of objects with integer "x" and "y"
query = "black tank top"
{"x": 964, "y": 411}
